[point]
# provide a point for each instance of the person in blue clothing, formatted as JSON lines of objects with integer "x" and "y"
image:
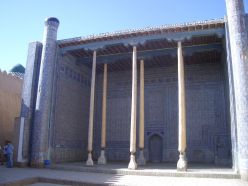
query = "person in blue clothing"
{"x": 9, "y": 152}
{"x": 5, "y": 152}
{"x": 2, "y": 158}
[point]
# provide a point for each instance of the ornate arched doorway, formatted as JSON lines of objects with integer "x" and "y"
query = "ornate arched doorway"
{"x": 155, "y": 148}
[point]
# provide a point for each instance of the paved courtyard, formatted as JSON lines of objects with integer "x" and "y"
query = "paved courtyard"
{"x": 38, "y": 177}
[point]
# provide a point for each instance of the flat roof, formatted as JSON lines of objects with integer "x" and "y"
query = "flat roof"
{"x": 173, "y": 28}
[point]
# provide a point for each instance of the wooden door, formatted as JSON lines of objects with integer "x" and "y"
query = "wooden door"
{"x": 155, "y": 149}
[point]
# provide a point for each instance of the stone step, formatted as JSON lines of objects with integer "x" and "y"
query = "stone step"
{"x": 150, "y": 171}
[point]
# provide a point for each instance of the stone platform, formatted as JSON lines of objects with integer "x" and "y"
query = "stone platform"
{"x": 155, "y": 169}
{"x": 51, "y": 177}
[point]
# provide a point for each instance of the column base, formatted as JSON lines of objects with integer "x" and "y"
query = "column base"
{"x": 182, "y": 164}
{"x": 89, "y": 161}
{"x": 102, "y": 159}
{"x": 36, "y": 164}
{"x": 21, "y": 164}
{"x": 141, "y": 159}
{"x": 244, "y": 175}
{"x": 132, "y": 164}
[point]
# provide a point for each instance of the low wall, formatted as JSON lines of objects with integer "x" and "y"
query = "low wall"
{"x": 10, "y": 102}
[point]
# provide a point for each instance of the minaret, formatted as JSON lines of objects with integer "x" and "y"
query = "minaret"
{"x": 239, "y": 49}
{"x": 41, "y": 125}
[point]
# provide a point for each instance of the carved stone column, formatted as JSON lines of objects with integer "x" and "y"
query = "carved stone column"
{"x": 182, "y": 162}
{"x": 141, "y": 159}
{"x": 102, "y": 158}
{"x": 40, "y": 133}
{"x": 89, "y": 161}
{"x": 239, "y": 51}
{"x": 132, "y": 164}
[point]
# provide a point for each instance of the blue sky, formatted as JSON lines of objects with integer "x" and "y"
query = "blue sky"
{"x": 22, "y": 21}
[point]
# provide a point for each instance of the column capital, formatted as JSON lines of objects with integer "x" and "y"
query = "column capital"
{"x": 94, "y": 52}
{"x": 134, "y": 47}
{"x": 134, "y": 42}
{"x": 179, "y": 43}
{"x": 93, "y": 48}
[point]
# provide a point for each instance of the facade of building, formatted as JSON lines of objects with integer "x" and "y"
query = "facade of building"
{"x": 165, "y": 94}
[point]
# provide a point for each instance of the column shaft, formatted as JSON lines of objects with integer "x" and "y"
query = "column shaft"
{"x": 91, "y": 114}
{"x": 142, "y": 120}
{"x": 104, "y": 107}
{"x": 141, "y": 159}
{"x": 132, "y": 163}
{"x": 181, "y": 103}
{"x": 102, "y": 158}
{"x": 181, "y": 165}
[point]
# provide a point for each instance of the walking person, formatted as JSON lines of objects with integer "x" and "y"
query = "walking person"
{"x": 1, "y": 155}
{"x": 9, "y": 151}
{"x": 5, "y": 152}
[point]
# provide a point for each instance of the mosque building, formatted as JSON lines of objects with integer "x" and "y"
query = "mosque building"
{"x": 175, "y": 93}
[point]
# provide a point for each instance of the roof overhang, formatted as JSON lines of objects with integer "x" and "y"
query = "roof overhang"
{"x": 131, "y": 37}
{"x": 160, "y": 41}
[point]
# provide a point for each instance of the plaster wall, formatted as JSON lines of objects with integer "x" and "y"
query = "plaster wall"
{"x": 10, "y": 103}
